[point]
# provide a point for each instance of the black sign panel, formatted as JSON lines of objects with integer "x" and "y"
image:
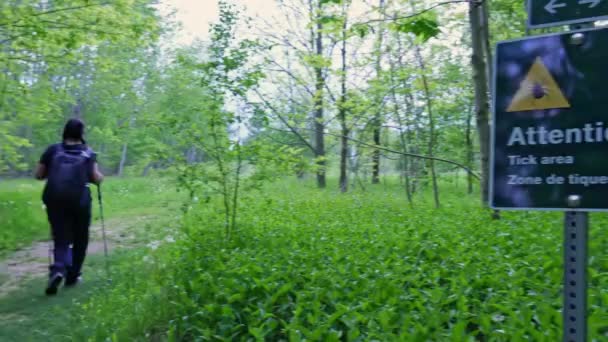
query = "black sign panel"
{"x": 545, "y": 13}
{"x": 550, "y": 127}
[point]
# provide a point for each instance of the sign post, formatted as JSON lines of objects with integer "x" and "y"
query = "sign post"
{"x": 549, "y": 143}
{"x": 576, "y": 226}
{"x": 546, "y": 13}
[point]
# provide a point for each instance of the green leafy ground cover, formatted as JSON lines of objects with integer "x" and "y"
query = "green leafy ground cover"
{"x": 312, "y": 265}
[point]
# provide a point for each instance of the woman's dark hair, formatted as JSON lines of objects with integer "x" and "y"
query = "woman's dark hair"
{"x": 74, "y": 130}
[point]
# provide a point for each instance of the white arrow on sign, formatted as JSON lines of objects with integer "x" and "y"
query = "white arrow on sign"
{"x": 552, "y": 5}
{"x": 593, "y": 3}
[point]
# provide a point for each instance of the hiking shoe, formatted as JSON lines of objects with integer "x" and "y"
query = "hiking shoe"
{"x": 53, "y": 285}
{"x": 72, "y": 281}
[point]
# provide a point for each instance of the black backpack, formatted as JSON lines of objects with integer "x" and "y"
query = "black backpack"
{"x": 67, "y": 177}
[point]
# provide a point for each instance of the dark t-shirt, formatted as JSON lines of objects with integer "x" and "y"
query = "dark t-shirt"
{"x": 47, "y": 158}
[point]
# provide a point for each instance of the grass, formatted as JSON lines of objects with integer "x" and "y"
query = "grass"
{"x": 319, "y": 265}
{"x": 28, "y": 315}
{"x": 23, "y": 218}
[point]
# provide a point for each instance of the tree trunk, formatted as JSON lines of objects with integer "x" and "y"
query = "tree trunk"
{"x": 416, "y": 166}
{"x": 469, "y": 150}
{"x": 123, "y": 159}
{"x": 191, "y": 156}
{"x": 318, "y": 102}
{"x": 480, "y": 80}
{"x": 404, "y": 146}
{"x": 431, "y": 145}
{"x": 292, "y": 104}
{"x": 411, "y": 132}
{"x": 342, "y": 112}
{"x": 147, "y": 169}
{"x": 354, "y": 161}
{"x": 77, "y": 109}
{"x": 404, "y": 177}
{"x": 376, "y": 152}
{"x": 343, "y": 160}
{"x": 377, "y": 122}
{"x": 485, "y": 24}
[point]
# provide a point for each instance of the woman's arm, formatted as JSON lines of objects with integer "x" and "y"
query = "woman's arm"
{"x": 97, "y": 176}
{"x": 42, "y": 168}
{"x": 40, "y": 171}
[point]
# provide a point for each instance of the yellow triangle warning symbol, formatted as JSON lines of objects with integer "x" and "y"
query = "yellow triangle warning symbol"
{"x": 538, "y": 91}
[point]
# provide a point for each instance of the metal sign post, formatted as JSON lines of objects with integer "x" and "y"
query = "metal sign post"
{"x": 576, "y": 226}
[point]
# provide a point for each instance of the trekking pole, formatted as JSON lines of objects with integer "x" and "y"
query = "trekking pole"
{"x": 103, "y": 230}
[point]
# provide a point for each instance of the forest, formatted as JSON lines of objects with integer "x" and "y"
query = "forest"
{"x": 319, "y": 174}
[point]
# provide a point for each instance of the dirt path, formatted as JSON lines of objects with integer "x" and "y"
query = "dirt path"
{"x": 33, "y": 261}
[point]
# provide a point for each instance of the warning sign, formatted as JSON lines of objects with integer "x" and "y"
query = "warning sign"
{"x": 538, "y": 91}
{"x": 550, "y": 124}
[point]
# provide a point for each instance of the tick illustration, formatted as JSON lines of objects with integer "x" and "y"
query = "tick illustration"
{"x": 539, "y": 91}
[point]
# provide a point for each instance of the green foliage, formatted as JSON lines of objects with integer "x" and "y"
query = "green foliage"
{"x": 316, "y": 61}
{"x": 51, "y": 51}
{"x": 361, "y": 30}
{"x": 22, "y": 214}
{"x": 326, "y": 266}
{"x": 233, "y": 162}
{"x": 138, "y": 302}
{"x": 332, "y": 22}
{"x": 325, "y": 2}
{"x": 424, "y": 27}
{"x": 303, "y": 264}
{"x": 507, "y": 20}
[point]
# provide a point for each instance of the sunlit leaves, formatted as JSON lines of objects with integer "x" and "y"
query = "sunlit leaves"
{"x": 45, "y": 46}
{"x": 317, "y": 61}
{"x": 325, "y": 2}
{"x": 361, "y": 30}
{"x": 331, "y": 23}
{"x": 423, "y": 27}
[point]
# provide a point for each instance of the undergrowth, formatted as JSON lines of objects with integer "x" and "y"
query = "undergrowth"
{"x": 319, "y": 265}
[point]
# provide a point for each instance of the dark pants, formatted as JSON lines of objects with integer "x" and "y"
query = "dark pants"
{"x": 69, "y": 226}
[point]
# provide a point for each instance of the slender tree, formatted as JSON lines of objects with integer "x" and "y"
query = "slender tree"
{"x": 377, "y": 120}
{"x": 319, "y": 124}
{"x": 479, "y": 61}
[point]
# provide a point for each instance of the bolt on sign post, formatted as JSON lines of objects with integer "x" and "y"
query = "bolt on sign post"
{"x": 546, "y": 13}
{"x": 550, "y": 142}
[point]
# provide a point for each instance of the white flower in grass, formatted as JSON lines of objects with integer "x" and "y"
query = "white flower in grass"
{"x": 154, "y": 245}
{"x": 170, "y": 239}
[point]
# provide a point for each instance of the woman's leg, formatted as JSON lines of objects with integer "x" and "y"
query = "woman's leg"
{"x": 80, "y": 242}
{"x": 60, "y": 229}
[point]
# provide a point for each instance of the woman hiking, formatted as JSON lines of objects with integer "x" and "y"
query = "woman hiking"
{"x": 69, "y": 167}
